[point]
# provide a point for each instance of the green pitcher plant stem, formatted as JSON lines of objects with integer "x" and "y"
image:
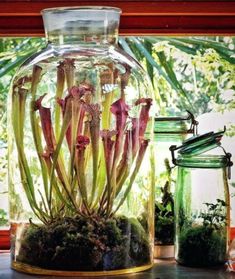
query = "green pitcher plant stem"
{"x": 59, "y": 93}
{"x": 36, "y": 75}
{"x": 18, "y": 118}
{"x": 86, "y": 168}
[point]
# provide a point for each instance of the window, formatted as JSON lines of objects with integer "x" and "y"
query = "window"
{"x": 212, "y": 57}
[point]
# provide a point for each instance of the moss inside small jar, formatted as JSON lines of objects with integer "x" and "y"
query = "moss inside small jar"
{"x": 203, "y": 244}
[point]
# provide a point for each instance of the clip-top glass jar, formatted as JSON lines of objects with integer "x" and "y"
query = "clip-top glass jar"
{"x": 167, "y": 131}
{"x": 81, "y": 201}
{"x": 202, "y": 207}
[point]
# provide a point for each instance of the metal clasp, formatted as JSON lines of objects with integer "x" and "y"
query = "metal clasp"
{"x": 228, "y": 156}
{"x": 172, "y": 150}
{"x": 230, "y": 164}
{"x": 194, "y": 124}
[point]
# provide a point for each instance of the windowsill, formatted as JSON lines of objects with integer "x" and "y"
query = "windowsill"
{"x": 161, "y": 269}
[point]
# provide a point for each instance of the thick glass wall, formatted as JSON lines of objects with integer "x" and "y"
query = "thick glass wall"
{"x": 187, "y": 73}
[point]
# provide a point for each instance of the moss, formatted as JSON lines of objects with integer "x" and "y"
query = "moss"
{"x": 201, "y": 246}
{"x": 83, "y": 243}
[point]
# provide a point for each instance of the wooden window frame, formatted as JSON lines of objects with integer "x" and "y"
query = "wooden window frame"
{"x": 20, "y": 18}
{"x": 159, "y": 17}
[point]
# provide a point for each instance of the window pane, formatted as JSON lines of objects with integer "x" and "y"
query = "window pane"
{"x": 188, "y": 73}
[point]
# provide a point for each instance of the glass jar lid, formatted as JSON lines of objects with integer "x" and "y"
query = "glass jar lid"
{"x": 192, "y": 152}
{"x": 200, "y": 144}
{"x": 176, "y": 125}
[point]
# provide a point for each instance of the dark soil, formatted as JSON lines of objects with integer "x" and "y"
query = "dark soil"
{"x": 201, "y": 246}
{"x": 86, "y": 244}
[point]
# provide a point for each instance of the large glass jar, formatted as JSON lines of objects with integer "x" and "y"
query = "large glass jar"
{"x": 202, "y": 209}
{"x": 81, "y": 201}
{"x": 167, "y": 131}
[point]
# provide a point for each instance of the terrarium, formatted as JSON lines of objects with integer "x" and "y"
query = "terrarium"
{"x": 167, "y": 131}
{"x": 202, "y": 207}
{"x": 80, "y": 128}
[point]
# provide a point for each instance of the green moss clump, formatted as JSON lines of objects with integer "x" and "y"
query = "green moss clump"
{"x": 204, "y": 244}
{"x": 201, "y": 246}
{"x": 86, "y": 244}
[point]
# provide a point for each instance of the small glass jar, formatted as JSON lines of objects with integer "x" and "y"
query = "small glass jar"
{"x": 167, "y": 131}
{"x": 202, "y": 208}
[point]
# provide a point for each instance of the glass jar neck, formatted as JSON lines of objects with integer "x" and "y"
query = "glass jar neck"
{"x": 81, "y": 25}
{"x": 176, "y": 138}
{"x": 175, "y": 125}
{"x": 203, "y": 161}
{"x": 170, "y": 126}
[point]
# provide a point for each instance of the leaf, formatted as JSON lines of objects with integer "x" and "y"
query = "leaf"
{"x": 218, "y": 46}
{"x": 177, "y": 86}
{"x": 149, "y": 48}
{"x": 150, "y": 59}
{"x": 176, "y": 42}
{"x": 10, "y": 66}
{"x": 169, "y": 75}
{"x": 138, "y": 54}
{"x": 124, "y": 45}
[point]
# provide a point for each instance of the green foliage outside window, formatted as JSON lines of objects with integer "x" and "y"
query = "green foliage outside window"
{"x": 194, "y": 73}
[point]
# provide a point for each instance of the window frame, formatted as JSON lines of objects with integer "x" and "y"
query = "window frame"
{"x": 22, "y": 18}
{"x": 159, "y": 17}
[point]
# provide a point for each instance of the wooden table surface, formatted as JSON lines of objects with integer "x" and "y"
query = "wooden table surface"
{"x": 166, "y": 269}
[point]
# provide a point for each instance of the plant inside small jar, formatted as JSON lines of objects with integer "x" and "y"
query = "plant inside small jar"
{"x": 87, "y": 172}
{"x": 204, "y": 244}
{"x": 164, "y": 212}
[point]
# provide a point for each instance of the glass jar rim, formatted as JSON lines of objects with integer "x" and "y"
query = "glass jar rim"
{"x": 171, "y": 126}
{"x": 184, "y": 124}
{"x": 82, "y": 8}
{"x": 81, "y": 25}
{"x": 203, "y": 161}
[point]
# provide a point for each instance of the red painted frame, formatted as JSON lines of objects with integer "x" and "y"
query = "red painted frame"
{"x": 4, "y": 240}
{"x": 22, "y": 17}
{"x": 232, "y": 233}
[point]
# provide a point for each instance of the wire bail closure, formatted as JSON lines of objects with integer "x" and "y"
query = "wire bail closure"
{"x": 173, "y": 148}
{"x": 228, "y": 155}
{"x": 230, "y": 163}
